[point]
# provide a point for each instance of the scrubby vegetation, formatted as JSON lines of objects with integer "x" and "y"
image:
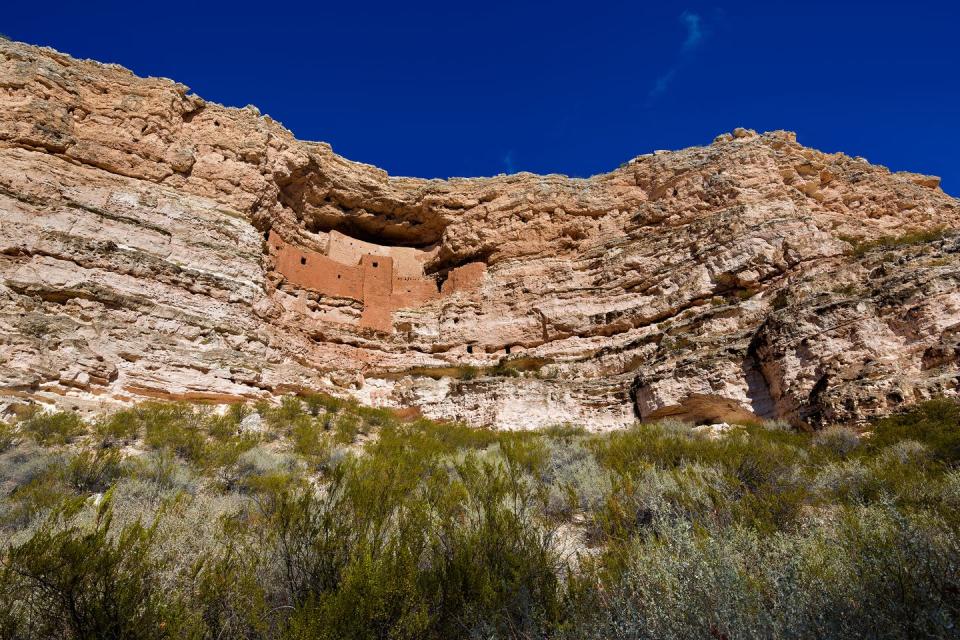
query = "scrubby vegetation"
{"x": 860, "y": 247}
{"x": 319, "y": 518}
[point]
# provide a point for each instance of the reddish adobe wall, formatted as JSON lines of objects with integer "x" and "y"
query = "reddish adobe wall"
{"x": 407, "y": 261}
{"x": 464, "y": 278}
{"x": 373, "y": 281}
{"x": 312, "y": 270}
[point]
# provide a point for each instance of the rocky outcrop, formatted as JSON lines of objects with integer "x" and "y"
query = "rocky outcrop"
{"x": 750, "y": 278}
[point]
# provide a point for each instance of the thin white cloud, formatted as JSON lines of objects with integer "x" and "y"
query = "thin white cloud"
{"x": 694, "y": 30}
{"x": 660, "y": 86}
{"x": 507, "y": 161}
{"x": 693, "y": 23}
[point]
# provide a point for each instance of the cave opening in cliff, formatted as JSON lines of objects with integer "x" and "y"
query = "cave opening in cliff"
{"x": 377, "y": 229}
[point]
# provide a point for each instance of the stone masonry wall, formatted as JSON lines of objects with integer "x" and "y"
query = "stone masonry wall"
{"x": 374, "y": 281}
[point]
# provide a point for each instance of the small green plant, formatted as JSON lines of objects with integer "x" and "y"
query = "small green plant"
{"x": 322, "y": 402}
{"x": 838, "y": 440}
{"x": 309, "y": 439}
{"x": 7, "y": 436}
{"x": 93, "y": 471}
{"x": 119, "y": 427}
{"x": 935, "y": 423}
{"x": 860, "y": 247}
{"x": 36, "y": 327}
{"x": 504, "y": 369}
{"x": 848, "y": 289}
{"x": 346, "y": 428}
{"x": 781, "y": 300}
{"x": 61, "y": 427}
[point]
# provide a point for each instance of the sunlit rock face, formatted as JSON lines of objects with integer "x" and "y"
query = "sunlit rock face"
{"x": 721, "y": 283}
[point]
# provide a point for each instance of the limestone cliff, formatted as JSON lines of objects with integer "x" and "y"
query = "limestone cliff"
{"x": 753, "y": 277}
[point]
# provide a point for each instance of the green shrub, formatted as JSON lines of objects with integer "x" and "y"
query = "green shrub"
{"x": 164, "y": 471}
{"x": 935, "y": 423}
{"x": 575, "y": 480}
{"x": 228, "y": 594}
{"x": 22, "y": 463}
{"x": 504, "y": 369}
{"x": 89, "y": 472}
{"x": 382, "y": 555}
{"x": 227, "y": 426}
{"x": 119, "y": 426}
{"x": 867, "y": 573}
{"x": 860, "y": 247}
{"x": 838, "y": 440}
{"x": 259, "y": 461}
{"x": 375, "y": 417}
{"x": 61, "y": 427}
{"x": 7, "y": 436}
{"x": 434, "y": 530}
{"x": 346, "y": 427}
{"x": 322, "y": 402}
{"x": 33, "y": 498}
{"x": 310, "y": 440}
{"x": 90, "y": 583}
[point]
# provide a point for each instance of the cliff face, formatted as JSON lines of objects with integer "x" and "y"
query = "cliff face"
{"x": 751, "y": 277}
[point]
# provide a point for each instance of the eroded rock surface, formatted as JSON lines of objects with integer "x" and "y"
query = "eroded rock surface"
{"x": 718, "y": 283}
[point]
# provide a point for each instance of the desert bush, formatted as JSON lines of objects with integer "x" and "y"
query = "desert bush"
{"x": 119, "y": 426}
{"x": 935, "y": 423}
{"x": 222, "y": 457}
{"x": 950, "y": 490}
{"x": 92, "y": 471}
{"x": 259, "y": 461}
{"x": 905, "y": 452}
{"x": 346, "y": 428}
{"x": 860, "y": 247}
{"x": 164, "y": 471}
{"x": 575, "y": 480}
{"x": 701, "y": 494}
{"x": 89, "y": 583}
{"x": 865, "y": 573}
{"x": 318, "y": 403}
{"x": 505, "y": 368}
{"x": 838, "y": 440}
{"x": 777, "y": 425}
{"x": 434, "y": 530}
{"x": 7, "y": 437}
{"x": 846, "y": 481}
{"x": 47, "y": 429}
{"x": 22, "y": 463}
{"x": 310, "y": 439}
{"x": 227, "y": 594}
{"x": 375, "y": 417}
{"x": 227, "y": 425}
{"x": 383, "y": 554}
{"x": 32, "y": 500}
{"x": 176, "y": 427}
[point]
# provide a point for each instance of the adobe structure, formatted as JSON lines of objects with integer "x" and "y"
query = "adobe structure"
{"x": 383, "y": 278}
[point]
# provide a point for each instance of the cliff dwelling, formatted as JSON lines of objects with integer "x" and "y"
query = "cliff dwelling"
{"x": 383, "y": 278}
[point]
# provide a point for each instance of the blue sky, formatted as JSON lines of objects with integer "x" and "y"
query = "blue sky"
{"x": 438, "y": 89}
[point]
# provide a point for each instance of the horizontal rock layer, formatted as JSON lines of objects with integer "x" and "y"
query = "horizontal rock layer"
{"x": 751, "y": 278}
